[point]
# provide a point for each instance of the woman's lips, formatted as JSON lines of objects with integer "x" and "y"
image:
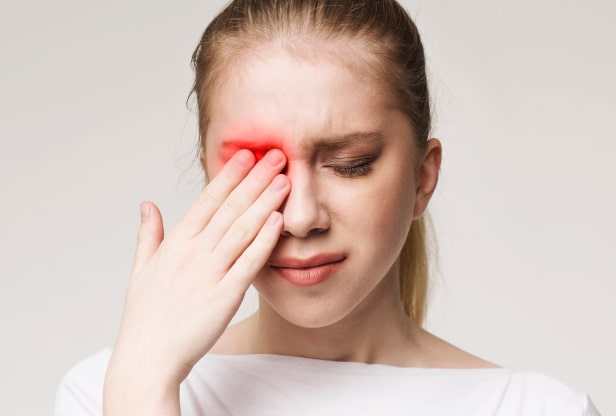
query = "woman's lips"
{"x": 309, "y": 271}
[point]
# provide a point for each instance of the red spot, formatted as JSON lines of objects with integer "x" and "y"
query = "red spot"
{"x": 259, "y": 153}
{"x": 230, "y": 149}
{"x": 258, "y": 143}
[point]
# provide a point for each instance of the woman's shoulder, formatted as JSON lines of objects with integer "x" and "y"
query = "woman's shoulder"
{"x": 81, "y": 390}
{"x": 525, "y": 390}
{"x": 534, "y": 390}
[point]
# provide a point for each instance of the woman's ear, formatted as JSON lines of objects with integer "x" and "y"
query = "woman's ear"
{"x": 427, "y": 176}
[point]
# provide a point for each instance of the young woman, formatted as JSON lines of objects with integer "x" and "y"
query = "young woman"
{"x": 314, "y": 120}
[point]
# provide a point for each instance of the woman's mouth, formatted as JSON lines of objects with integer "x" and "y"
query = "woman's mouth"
{"x": 307, "y": 271}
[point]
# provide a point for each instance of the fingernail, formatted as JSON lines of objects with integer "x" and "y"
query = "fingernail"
{"x": 244, "y": 157}
{"x": 279, "y": 183}
{"x": 274, "y": 158}
{"x": 145, "y": 211}
{"x": 273, "y": 219}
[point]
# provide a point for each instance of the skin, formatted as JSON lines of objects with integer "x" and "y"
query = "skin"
{"x": 186, "y": 287}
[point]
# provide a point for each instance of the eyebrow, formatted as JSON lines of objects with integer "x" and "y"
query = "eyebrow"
{"x": 338, "y": 142}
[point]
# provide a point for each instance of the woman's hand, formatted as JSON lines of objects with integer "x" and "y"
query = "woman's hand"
{"x": 184, "y": 289}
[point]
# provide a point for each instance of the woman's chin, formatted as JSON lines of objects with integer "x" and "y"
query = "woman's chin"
{"x": 307, "y": 313}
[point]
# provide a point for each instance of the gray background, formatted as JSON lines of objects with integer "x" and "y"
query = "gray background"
{"x": 93, "y": 121}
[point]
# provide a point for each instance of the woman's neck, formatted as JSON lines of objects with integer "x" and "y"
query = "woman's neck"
{"x": 377, "y": 331}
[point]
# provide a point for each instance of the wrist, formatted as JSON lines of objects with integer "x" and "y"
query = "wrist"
{"x": 137, "y": 391}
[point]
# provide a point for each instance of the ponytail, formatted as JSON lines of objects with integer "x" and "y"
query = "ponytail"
{"x": 414, "y": 271}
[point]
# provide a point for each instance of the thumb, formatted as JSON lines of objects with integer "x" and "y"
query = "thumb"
{"x": 150, "y": 235}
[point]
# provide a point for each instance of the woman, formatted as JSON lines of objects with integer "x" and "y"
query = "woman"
{"x": 314, "y": 121}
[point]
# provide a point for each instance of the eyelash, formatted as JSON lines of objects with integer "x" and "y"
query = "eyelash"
{"x": 359, "y": 169}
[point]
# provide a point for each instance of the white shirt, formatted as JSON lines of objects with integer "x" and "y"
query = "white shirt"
{"x": 279, "y": 385}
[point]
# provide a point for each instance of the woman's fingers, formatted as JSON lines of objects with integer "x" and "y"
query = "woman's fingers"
{"x": 214, "y": 194}
{"x": 150, "y": 235}
{"x": 245, "y": 228}
{"x": 242, "y": 197}
{"x": 254, "y": 257}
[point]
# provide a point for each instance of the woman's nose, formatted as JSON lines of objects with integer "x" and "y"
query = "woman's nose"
{"x": 304, "y": 212}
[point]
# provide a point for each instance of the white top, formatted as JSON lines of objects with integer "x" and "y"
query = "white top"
{"x": 277, "y": 385}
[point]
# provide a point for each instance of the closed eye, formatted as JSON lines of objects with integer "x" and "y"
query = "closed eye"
{"x": 361, "y": 167}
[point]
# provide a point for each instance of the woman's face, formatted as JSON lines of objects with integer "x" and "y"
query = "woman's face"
{"x": 351, "y": 163}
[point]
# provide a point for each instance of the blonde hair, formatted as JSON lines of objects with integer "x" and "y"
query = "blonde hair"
{"x": 394, "y": 54}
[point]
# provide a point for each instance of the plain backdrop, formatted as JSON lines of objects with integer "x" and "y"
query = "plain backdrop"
{"x": 93, "y": 120}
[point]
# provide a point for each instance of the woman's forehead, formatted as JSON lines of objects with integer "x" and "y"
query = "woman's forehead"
{"x": 350, "y": 57}
{"x": 286, "y": 94}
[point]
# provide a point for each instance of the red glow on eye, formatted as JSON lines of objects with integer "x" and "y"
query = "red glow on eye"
{"x": 258, "y": 143}
{"x": 259, "y": 153}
